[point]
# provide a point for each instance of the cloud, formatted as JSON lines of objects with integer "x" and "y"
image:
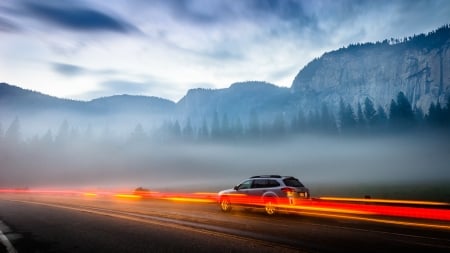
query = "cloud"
{"x": 150, "y": 86}
{"x": 197, "y": 12}
{"x": 7, "y": 26}
{"x": 117, "y": 87}
{"x": 71, "y": 70}
{"x": 68, "y": 69}
{"x": 78, "y": 18}
{"x": 212, "y": 12}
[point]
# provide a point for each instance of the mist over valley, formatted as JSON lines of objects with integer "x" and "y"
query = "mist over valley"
{"x": 373, "y": 125}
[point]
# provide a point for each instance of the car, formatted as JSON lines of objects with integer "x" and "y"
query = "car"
{"x": 264, "y": 191}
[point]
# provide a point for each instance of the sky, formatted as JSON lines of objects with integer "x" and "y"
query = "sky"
{"x": 83, "y": 49}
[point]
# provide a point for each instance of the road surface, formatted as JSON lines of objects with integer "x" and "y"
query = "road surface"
{"x": 72, "y": 223}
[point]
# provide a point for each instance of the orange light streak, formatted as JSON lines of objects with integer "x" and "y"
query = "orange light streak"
{"x": 127, "y": 196}
{"x": 390, "y": 201}
{"x": 387, "y": 221}
{"x": 186, "y": 199}
{"x": 438, "y": 211}
{"x": 90, "y": 194}
{"x": 387, "y": 210}
{"x": 323, "y": 209}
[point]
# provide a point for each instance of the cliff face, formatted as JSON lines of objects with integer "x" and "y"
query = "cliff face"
{"x": 238, "y": 101}
{"x": 418, "y": 66}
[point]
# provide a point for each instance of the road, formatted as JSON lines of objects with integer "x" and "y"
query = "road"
{"x": 73, "y": 223}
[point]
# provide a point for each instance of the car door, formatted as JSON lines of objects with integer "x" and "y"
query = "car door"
{"x": 241, "y": 194}
{"x": 257, "y": 190}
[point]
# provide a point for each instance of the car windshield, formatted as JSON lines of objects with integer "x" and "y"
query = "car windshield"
{"x": 293, "y": 182}
{"x": 245, "y": 185}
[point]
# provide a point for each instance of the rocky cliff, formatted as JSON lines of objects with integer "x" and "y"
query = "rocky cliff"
{"x": 419, "y": 66}
{"x": 238, "y": 101}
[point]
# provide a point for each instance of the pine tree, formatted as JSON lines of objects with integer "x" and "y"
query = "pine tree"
{"x": 47, "y": 139}
{"x": 138, "y": 134}
{"x": 347, "y": 118}
{"x": 203, "y": 132}
{"x": 394, "y": 114}
{"x": 341, "y": 114}
{"x": 215, "y": 127}
{"x": 436, "y": 115}
{"x": 176, "y": 129}
{"x": 447, "y": 113}
{"x": 381, "y": 119}
{"x": 238, "y": 129}
{"x": 1, "y": 133}
{"x": 63, "y": 134}
{"x": 418, "y": 116}
{"x": 431, "y": 116}
{"x": 369, "y": 112}
{"x": 88, "y": 133}
{"x": 350, "y": 117}
{"x": 361, "y": 121}
{"x": 278, "y": 125}
{"x": 404, "y": 107}
{"x": 327, "y": 120}
{"x": 299, "y": 122}
{"x": 188, "y": 131}
{"x": 254, "y": 128}
{"x": 13, "y": 133}
{"x": 225, "y": 129}
{"x": 440, "y": 117}
{"x": 313, "y": 123}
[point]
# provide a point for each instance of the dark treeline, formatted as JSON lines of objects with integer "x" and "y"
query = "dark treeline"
{"x": 363, "y": 119}
{"x": 428, "y": 41}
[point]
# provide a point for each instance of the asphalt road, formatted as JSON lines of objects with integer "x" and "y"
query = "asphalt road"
{"x": 46, "y": 223}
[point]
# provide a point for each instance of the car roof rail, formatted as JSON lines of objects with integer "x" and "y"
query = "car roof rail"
{"x": 267, "y": 176}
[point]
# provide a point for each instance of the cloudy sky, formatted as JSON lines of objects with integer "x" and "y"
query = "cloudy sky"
{"x": 85, "y": 49}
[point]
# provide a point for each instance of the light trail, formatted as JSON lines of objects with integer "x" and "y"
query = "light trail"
{"x": 390, "y": 201}
{"x": 184, "y": 199}
{"x": 90, "y": 194}
{"x": 127, "y": 196}
{"x": 424, "y": 210}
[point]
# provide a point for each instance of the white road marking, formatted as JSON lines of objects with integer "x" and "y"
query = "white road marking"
{"x": 4, "y": 240}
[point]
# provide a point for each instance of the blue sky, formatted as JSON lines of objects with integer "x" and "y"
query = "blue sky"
{"x": 86, "y": 49}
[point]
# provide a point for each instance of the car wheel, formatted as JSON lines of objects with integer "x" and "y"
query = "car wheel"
{"x": 270, "y": 206}
{"x": 225, "y": 205}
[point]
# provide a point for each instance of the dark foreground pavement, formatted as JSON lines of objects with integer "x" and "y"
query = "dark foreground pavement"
{"x": 44, "y": 224}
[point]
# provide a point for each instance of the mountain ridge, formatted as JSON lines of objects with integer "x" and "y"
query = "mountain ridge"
{"x": 417, "y": 66}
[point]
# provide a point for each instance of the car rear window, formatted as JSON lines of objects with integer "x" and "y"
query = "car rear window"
{"x": 293, "y": 182}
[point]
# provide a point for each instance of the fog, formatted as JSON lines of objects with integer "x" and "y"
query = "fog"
{"x": 324, "y": 163}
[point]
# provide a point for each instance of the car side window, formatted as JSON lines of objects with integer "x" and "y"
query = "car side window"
{"x": 259, "y": 183}
{"x": 272, "y": 183}
{"x": 245, "y": 185}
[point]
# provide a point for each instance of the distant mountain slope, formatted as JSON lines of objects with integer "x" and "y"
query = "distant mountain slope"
{"x": 135, "y": 104}
{"x": 15, "y": 99}
{"x": 37, "y": 110}
{"x": 238, "y": 101}
{"x": 419, "y": 66}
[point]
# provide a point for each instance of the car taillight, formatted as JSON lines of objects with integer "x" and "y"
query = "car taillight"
{"x": 287, "y": 190}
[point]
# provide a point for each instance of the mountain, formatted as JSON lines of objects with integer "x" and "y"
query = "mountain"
{"x": 32, "y": 107}
{"x": 418, "y": 66}
{"x": 132, "y": 104}
{"x": 238, "y": 101}
{"x": 15, "y": 100}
